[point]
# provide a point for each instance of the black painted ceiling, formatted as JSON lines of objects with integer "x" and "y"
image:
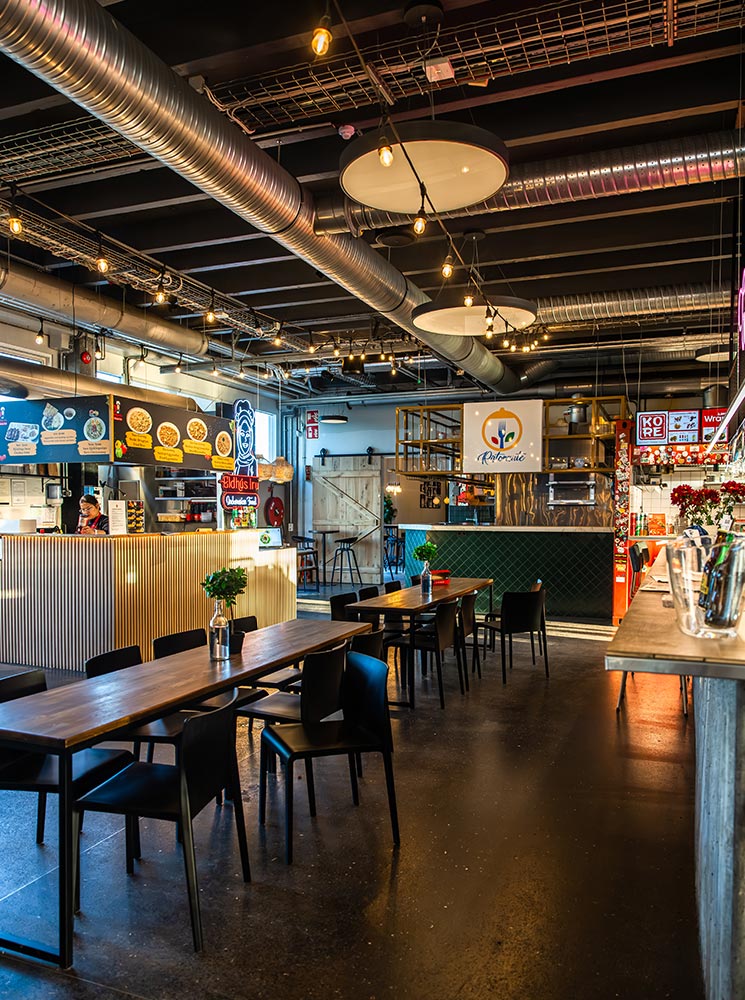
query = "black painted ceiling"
{"x": 662, "y": 87}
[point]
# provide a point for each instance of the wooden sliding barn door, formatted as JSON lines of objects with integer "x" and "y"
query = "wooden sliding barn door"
{"x": 348, "y": 497}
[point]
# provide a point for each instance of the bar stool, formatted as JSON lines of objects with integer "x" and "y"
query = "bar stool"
{"x": 345, "y": 546}
{"x": 307, "y": 561}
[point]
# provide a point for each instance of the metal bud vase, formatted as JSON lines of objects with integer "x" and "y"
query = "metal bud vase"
{"x": 219, "y": 633}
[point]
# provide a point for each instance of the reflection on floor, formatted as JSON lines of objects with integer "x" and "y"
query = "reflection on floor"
{"x": 547, "y": 854}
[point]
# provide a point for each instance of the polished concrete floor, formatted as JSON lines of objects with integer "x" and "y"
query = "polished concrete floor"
{"x": 547, "y": 854}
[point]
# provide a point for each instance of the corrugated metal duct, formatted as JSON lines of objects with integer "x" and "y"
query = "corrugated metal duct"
{"x": 563, "y": 310}
{"x": 652, "y": 166}
{"x": 76, "y": 47}
{"x": 23, "y": 378}
{"x": 24, "y": 285}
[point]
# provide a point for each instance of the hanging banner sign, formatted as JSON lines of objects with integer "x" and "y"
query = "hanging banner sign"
{"x": 151, "y": 434}
{"x": 77, "y": 429}
{"x": 503, "y": 437}
{"x": 710, "y": 421}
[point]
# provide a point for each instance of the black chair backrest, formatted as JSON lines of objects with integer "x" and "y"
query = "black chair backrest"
{"x": 320, "y": 694}
{"x": 365, "y": 697}
{"x": 207, "y": 754}
{"x": 115, "y": 659}
{"x": 522, "y": 611}
{"x": 468, "y": 613}
{"x": 445, "y": 624}
{"x": 338, "y": 603}
{"x": 246, "y": 624}
{"x": 179, "y": 642}
{"x": 19, "y": 685}
{"x": 416, "y": 579}
{"x": 367, "y": 592}
{"x": 392, "y": 586}
{"x": 636, "y": 557}
{"x": 369, "y": 643}
{"x": 303, "y": 541}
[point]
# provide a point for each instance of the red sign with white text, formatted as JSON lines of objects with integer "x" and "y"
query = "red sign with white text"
{"x": 651, "y": 427}
{"x": 710, "y": 421}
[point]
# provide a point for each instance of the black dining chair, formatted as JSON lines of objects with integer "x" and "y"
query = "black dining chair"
{"x": 320, "y": 694}
{"x": 369, "y": 643}
{"x": 179, "y": 642}
{"x": 338, "y": 604}
{"x": 467, "y": 626}
{"x": 365, "y": 728}
{"x": 521, "y": 611}
{"x": 437, "y": 637}
{"x": 392, "y": 586}
{"x": 175, "y": 793}
{"x": 22, "y": 771}
{"x": 165, "y": 731}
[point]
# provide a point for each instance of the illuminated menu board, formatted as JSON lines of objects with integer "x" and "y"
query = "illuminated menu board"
{"x": 656, "y": 427}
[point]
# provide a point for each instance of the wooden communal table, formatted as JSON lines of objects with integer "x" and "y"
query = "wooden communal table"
{"x": 648, "y": 640}
{"x": 74, "y": 716}
{"x": 410, "y": 603}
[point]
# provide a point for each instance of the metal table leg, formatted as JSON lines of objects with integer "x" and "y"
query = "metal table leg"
{"x": 66, "y": 847}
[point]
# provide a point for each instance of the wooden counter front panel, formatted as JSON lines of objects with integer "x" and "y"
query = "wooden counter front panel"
{"x": 65, "y": 598}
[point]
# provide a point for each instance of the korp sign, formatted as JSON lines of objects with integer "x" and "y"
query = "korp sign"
{"x": 503, "y": 437}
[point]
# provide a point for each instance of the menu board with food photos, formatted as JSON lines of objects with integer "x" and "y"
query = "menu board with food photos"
{"x": 147, "y": 434}
{"x": 40, "y": 431}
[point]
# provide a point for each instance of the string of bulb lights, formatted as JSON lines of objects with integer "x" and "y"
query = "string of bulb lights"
{"x": 513, "y": 315}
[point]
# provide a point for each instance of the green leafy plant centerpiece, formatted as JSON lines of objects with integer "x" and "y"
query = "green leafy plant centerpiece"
{"x": 226, "y": 585}
{"x": 425, "y": 552}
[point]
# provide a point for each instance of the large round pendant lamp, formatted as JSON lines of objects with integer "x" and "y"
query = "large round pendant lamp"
{"x": 509, "y": 314}
{"x": 458, "y": 164}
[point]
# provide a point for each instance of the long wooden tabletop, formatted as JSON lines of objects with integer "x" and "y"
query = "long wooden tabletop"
{"x": 82, "y": 712}
{"x": 649, "y": 640}
{"x": 409, "y": 600}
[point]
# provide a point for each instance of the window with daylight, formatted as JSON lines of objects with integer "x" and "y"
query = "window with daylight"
{"x": 266, "y": 435}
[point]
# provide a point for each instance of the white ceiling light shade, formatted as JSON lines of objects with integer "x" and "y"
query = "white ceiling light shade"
{"x": 459, "y": 165}
{"x": 334, "y": 418}
{"x": 509, "y": 314}
{"x": 712, "y": 354}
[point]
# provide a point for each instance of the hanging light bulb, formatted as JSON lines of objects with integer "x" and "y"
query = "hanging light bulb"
{"x": 177, "y": 369}
{"x": 513, "y": 347}
{"x": 489, "y": 319}
{"x": 40, "y": 335}
{"x": 385, "y": 153}
{"x": 160, "y": 294}
{"x": 489, "y": 334}
{"x": 393, "y": 370}
{"x": 322, "y": 36}
{"x": 336, "y": 350}
{"x": 351, "y": 355}
{"x": 363, "y": 356}
{"x": 382, "y": 355}
{"x": 447, "y": 267}
{"x": 277, "y": 341}
{"x": 505, "y": 343}
{"x": 210, "y": 315}
{"x": 468, "y": 300}
{"x": 391, "y": 358}
{"x": 214, "y": 368}
{"x": 420, "y": 222}
{"x": 545, "y": 336}
{"x": 14, "y": 219}
{"x": 267, "y": 374}
{"x": 99, "y": 351}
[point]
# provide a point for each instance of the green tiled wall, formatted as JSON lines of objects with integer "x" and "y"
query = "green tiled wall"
{"x": 576, "y": 567}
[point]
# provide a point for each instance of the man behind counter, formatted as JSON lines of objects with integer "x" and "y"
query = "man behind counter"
{"x": 91, "y": 520}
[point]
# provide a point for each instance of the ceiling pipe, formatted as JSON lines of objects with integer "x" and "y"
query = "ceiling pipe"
{"x": 548, "y": 390}
{"x": 651, "y": 166}
{"x": 79, "y": 49}
{"x": 562, "y": 310}
{"x": 23, "y": 378}
{"x": 35, "y": 290}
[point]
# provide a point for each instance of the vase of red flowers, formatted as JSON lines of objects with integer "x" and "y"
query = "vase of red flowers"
{"x": 707, "y": 506}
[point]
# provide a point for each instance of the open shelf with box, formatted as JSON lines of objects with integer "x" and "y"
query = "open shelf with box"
{"x": 579, "y": 433}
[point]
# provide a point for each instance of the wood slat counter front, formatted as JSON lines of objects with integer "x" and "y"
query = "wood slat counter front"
{"x": 66, "y": 597}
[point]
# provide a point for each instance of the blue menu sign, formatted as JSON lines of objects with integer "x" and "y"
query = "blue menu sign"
{"x": 40, "y": 431}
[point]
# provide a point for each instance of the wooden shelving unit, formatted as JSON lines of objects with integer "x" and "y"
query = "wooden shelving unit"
{"x": 592, "y": 448}
{"x": 429, "y": 440}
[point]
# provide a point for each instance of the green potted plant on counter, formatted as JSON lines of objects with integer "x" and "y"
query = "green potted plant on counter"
{"x": 224, "y": 586}
{"x": 426, "y": 553}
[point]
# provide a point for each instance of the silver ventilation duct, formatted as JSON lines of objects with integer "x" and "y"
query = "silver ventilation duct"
{"x": 649, "y": 167}
{"x": 77, "y": 48}
{"x": 24, "y": 285}
{"x": 23, "y": 378}
{"x": 563, "y": 310}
